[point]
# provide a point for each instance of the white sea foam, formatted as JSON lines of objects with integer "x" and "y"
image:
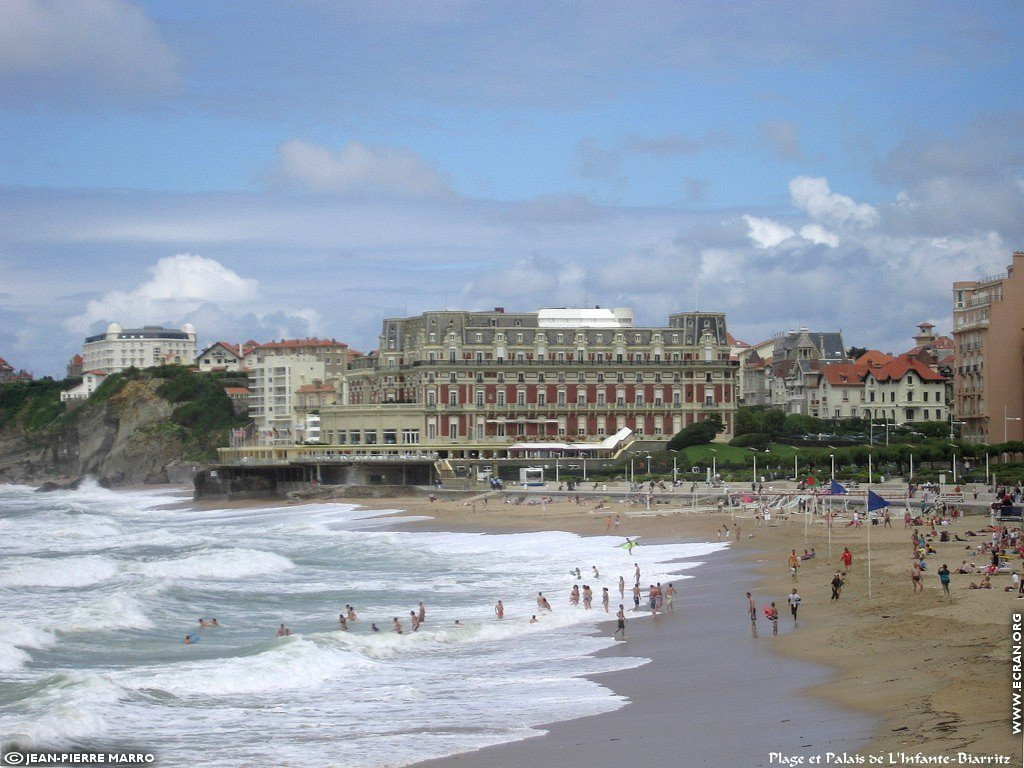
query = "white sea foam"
{"x": 56, "y": 571}
{"x": 71, "y": 706}
{"x": 220, "y": 564}
{"x": 117, "y": 611}
{"x": 293, "y": 663}
{"x": 458, "y": 688}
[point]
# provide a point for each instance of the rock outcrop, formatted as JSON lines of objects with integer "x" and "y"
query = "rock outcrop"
{"x": 126, "y": 439}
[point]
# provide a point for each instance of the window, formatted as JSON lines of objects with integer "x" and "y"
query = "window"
{"x": 479, "y": 397}
{"x": 501, "y": 396}
{"x": 453, "y": 430}
{"x": 410, "y": 436}
{"x": 542, "y": 397}
{"x": 581, "y": 431}
{"x": 521, "y": 397}
{"x": 581, "y": 397}
{"x": 453, "y": 396}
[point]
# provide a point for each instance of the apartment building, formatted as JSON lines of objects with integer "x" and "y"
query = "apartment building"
{"x": 487, "y": 380}
{"x": 281, "y": 375}
{"x": 120, "y": 348}
{"x": 988, "y": 359}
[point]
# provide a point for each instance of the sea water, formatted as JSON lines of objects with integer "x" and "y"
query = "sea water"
{"x": 98, "y": 589}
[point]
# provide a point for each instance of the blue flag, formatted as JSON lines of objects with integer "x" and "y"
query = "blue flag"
{"x": 836, "y": 489}
{"x": 875, "y": 501}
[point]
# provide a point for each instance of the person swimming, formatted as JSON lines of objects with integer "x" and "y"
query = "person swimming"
{"x": 283, "y": 631}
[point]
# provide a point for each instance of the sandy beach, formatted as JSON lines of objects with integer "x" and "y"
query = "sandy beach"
{"x": 892, "y": 674}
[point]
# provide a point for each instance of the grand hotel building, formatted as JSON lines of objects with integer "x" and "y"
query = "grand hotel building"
{"x": 488, "y": 384}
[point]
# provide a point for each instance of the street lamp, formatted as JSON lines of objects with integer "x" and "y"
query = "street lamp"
{"x": 714, "y": 465}
{"x": 1006, "y": 420}
{"x": 832, "y": 456}
{"x": 955, "y": 446}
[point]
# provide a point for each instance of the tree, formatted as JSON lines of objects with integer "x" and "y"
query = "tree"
{"x": 698, "y": 433}
{"x": 854, "y": 352}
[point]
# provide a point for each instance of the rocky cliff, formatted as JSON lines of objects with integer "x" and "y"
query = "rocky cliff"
{"x": 135, "y": 435}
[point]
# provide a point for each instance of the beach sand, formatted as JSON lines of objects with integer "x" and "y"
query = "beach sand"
{"x": 891, "y": 673}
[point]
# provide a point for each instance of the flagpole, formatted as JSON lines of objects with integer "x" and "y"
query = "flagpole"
{"x": 869, "y": 552}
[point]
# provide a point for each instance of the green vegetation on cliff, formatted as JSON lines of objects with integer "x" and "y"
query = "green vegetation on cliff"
{"x": 201, "y": 419}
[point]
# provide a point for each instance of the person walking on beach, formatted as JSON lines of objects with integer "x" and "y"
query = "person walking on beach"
{"x": 636, "y": 574}
{"x": 915, "y": 576}
{"x": 794, "y": 603}
{"x": 622, "y": 588}
{"x": 773, "y": 617}
{"x": 837, "y": 586}
{"x": 605, "y": 598}
{"x": 620, "y": 628}
{"x": 670, "y": 595}
{"x": 944, "y": 578}
{"x": 499, "y": 610}
{"x": 794, "y": 563}
{"x": 636, "y": 596}
{"x": 847, "y": 557}
{"x": 752, "y": 610}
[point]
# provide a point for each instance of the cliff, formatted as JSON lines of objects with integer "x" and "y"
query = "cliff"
{"x": 145, "y": 427}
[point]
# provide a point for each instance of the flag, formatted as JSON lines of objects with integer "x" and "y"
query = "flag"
{"x": 875, "y": 501}
{"x": 835, "y": 489}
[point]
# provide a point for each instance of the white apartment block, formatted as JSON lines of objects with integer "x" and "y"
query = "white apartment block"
{"x": 274, "y": 381}
{"x": 120, "y": 348}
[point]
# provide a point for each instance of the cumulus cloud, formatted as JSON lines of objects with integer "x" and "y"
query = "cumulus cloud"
{"x": 178, "y": 286}
{"x": 823, "y": 205}
{"x": 815, "y": 233}
{"x": 765, "y": 233}
{"x": 219, "y": 302}
{"x": 358, "y": 169}
{"x": 73, "y": 51}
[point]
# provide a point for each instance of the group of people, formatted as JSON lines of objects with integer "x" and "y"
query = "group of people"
{"x": 349, "y": 616}
{"x": 771, "y": 612}
{"x": 204, "y": 623}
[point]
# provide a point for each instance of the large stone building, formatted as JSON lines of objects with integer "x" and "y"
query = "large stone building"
{"x": 120, "y": 348}
{"x": 988, "y": 364}
{"x": 480, "y": 384}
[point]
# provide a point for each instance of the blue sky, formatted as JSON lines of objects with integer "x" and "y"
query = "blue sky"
{"x": 272, "y": 169}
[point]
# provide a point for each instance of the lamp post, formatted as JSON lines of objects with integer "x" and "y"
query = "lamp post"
{"x": 714, "y": 465}
{"x": 832, "y": 456}
{"x": 1006, "y": 421}
{"x": 954, "y": 446}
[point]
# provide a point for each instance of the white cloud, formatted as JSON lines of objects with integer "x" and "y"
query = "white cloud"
{"x": 817, "y": 234}
{"x": 179, "y": 286}
{"x": 814, "y": 196}
{"x": 77, "y": 51}
{"x": 358, "y": 169}
{"x": 765, "y": 233}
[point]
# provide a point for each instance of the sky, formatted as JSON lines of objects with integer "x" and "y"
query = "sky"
{"x": 289, "y": 168}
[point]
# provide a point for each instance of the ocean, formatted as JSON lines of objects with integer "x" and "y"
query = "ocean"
{"x": 99, "y": 588}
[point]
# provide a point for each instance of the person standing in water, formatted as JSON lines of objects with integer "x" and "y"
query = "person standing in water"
{"x": 620, "y": 629}
{"x": 499, "y": 610}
